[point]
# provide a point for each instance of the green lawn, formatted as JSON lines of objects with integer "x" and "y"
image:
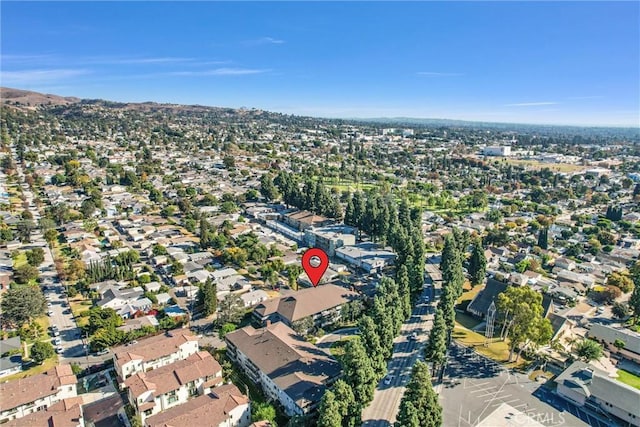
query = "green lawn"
{"x": 337, "y": 348}
{"x": 48, "y": 364}
{"x": 629, "y": 378}
{"x": 496, "y": 350}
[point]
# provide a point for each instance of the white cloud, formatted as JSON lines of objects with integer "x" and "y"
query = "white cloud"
{"x": 437, "y": 74}
{"x": 262, "y": 41}
{"x": 220, "y": 72}
{"x": 39, "y": 76}
{"x": 532, "y": 104}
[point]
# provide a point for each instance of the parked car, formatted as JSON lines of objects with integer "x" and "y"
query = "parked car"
{"x": 55, "y": 332}
{"x": 413, "y": 336}
{"x": 59, "y": 350}
{"x": 50, "y": 313}
{"x": 388, "y": 380}
{"x": 102, "y": 352}
{"x": 57, "y": 341}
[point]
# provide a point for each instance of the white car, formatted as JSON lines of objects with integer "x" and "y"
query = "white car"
{"x": 59, "y": 350}
{"x": 388, "y": 380}
{"x": 57, "y": 341}
{"x": 50, "y": 313}
{"x": 413, "y": 336}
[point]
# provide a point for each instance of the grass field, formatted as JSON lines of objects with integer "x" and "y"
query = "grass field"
{"x": 77, "y": 307}
{"x": 629, "y": 378}
{"x": 469, "y": 294}
{"x": 556, "y": 167}
{"x": 496, "y": 350}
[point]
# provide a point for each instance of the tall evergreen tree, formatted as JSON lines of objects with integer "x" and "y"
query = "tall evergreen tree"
{"x": 543, "y": 238}
{"x": 402, "y": 278}
{"x": 350, "y": 409}
{"x": 382, "y": 318}
{"x": 436, "y": 348}
{"x": 477, "y": 263}
{"x": 420, "y": 394}
{"x": 329, "y": 411}
{"x": 358, "y": 372}
{"x": 371, "y": 342}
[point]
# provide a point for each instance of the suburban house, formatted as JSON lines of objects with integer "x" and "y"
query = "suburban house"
{"x": 25, "y": 396}
{"x": 289, "y": 369}
{"x": 608, "y": 336}
{"x": 592, "y": 388}
{"x": 254, "y": 297}
{"x": 321, "y": 305}
{"x": 67, "y": 412}
{"x": 153, "y": 352}
{"x": 171, "y": 385}
{"x": 224, "y": 406}
{"x": 126, "y": 302}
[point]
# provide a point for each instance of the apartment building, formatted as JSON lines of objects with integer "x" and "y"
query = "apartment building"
{"x": 289, "y": 369}
{"x": 224, "y": 406}
{"x": 21, "y": 397}
{"x": 171, "y": 385}
{"x": 154, "y": 352}
{"x": 322, "y": 304}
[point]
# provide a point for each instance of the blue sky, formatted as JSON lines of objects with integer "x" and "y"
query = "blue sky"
{"x": 540, "y": 62}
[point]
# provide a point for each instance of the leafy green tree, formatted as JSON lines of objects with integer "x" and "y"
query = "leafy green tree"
{"x": 358, "y": 371}
{"x": 268, "y": 190}
{"x": 41, "y": 351}
{"x": 419, "y": 405}
{"x": 35, "y": 256}
{"x": 619, "y": 310}
{"x": 21, "y": 305}
{"x": 25, "y": 273}
{"x": 103, "y": 318}
{"x": 525, "y": 325}
{"x": 231, "y": 309}
{"x": 371, "y": 342}
{"x": 225, "y": 329}
{"x": 588, "y": 350}
{"x": 263, "y": 411}
{"x": 451, "y": 266}
{"x": 621, "y": 281}
{"x": 24, "y": 229}
{"x": 293, "y": 272}
{"x": 477, "y": 263}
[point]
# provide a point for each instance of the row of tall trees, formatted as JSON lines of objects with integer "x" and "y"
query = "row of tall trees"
{"x": 444, "y": 319}
{"x": 311, "y": 194}
{"x": 364, "y": 362}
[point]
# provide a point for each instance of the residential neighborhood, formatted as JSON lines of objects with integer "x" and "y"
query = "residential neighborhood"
{"x": 150, "y": 269}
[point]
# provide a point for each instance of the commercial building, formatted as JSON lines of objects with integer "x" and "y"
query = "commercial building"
{"x": 330, "y": 238}
{"x": 497, "y": 151}
{"x": 366, "y": 256}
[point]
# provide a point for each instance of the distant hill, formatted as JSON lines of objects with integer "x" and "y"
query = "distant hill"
{"x": 27, "y": 98}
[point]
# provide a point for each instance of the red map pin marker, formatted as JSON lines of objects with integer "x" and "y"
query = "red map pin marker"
{"x": 315, "y": 262}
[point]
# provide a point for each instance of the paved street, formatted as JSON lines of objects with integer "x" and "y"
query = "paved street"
{"x": 62, "y": 317}
{"x": 386, "y": 399}
{"x": 475, "y": 386}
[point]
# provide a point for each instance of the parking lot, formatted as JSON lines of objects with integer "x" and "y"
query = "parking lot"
{"x": 475, "y": 386}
